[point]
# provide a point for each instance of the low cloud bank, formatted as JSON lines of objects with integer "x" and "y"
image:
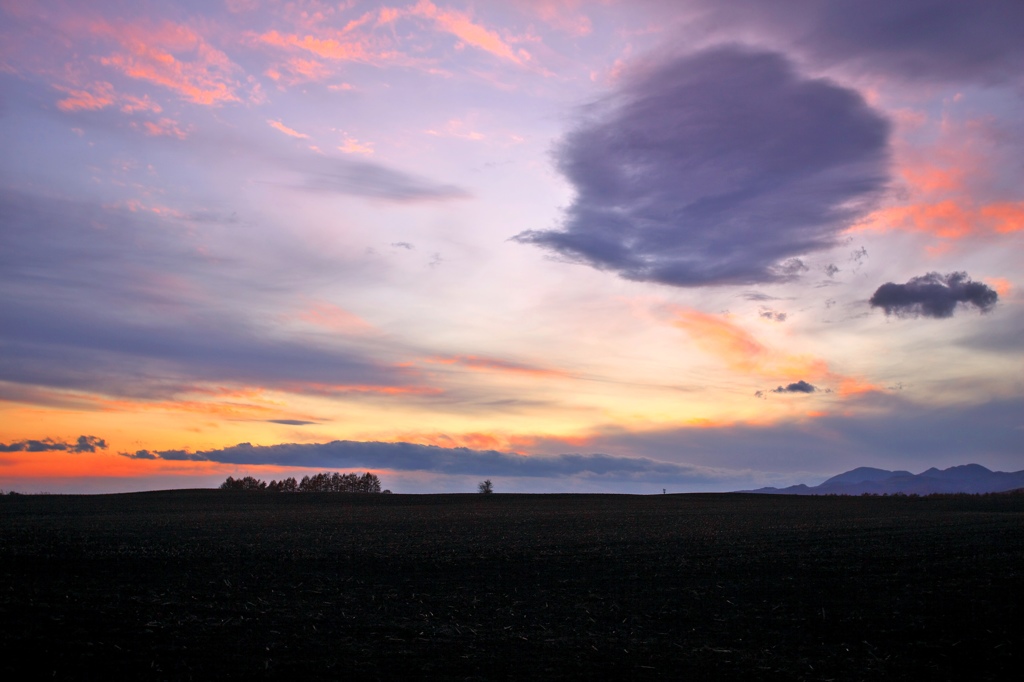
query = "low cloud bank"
{"x": 344, "y": 454}
{"x": 82, "y": 444}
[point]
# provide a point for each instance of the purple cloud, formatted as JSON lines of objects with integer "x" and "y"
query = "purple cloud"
{"x": 716, "y": 168}
{"x": 915, "y": 40}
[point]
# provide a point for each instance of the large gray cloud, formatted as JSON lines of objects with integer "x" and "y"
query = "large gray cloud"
{"x": 346, "y": 454}
{"x": 716, "y": 168}
{"x": 933, "y": 295}
{"x": 915, "y": 40}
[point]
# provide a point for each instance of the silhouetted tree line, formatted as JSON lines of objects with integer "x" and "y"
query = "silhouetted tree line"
{"x": 318, "y": 483}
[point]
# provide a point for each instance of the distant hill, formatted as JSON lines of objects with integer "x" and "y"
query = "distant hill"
{"x": 967, "y": 478}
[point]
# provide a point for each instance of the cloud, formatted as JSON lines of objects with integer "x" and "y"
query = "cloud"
{"x": 139, "y": 454}
{"x": 173, "y": 56}
{"x": 717, "y": 168}
{"x": 353, "y": 146}
{"x": 914, "y": 40}
{"x": 349, "y": 50}
{"x": 773, "y": 315}
{"x": 291, "y": 422}
{"x": 164, "y": 127}
{"x": 344, "y": 454}
{"x": 462, "y": 27}
{"x": 115, "y": 302}
{"x": 277, "y": 125}
{"x": 330, "y": 316}
{"x": 933, "y": 295}
{"x": 373, "y": 181}
{"x": 740, "y": 350}
{"x": 101, "y": 96}
{"x": 485, "y": 364}
{"x": 798, "y": 387}
{"x": 82, "y": 444}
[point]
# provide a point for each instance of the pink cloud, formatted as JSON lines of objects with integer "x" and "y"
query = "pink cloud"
{"x": 164, "y": 127}
{"x": 277, "y": 125}
{"x": 739, "y": 350}
{"x": 172, "y": 56}
{"x": 334, "y": 318}
{"x": 326, "y": 48}
{"x": 944, "y": 182}
{"x": 462, "y": 27}
{"x": 561, "y": 15}
{"x": 101, "y": 96}
{"x": 353, "y": 146}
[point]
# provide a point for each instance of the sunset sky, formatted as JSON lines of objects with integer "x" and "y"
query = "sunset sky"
{"x": 573, "y": 246}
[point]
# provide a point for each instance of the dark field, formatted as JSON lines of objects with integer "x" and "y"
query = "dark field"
{"x": 214, "y": 585}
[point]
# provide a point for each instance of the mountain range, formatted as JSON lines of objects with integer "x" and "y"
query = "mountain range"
{"x": 967, "y": 478}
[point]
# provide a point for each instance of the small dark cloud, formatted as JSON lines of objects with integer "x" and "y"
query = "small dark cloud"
{"x": 774, "y": 315}
{"x": 798, "y": 387}
{"x": 831, "y": 270}
{"x": 717, "y": 168}
{"x": 403, "y": 245}
{"x": 291, "y": 422}
{"x": 791, "y": 267}
{"x": 82, "y": 444}
{"x": 933, "y": 295}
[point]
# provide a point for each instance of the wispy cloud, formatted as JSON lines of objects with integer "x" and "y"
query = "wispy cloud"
{"x": 463, "y": 27}
{"x": 277, "y": 125}
{"x": 485, "y": 364}
{"x": 173, "y": 56}
{"x": 103, "y": 339}
{"x": 740, "y": 350}
{"x": 100, "y": 96}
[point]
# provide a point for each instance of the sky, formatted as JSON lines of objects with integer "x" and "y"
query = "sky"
{"x": 569, "y": 246}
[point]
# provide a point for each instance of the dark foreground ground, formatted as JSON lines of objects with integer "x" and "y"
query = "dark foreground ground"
{"x": 214, "y": 585}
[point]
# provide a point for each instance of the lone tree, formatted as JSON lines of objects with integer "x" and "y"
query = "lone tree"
{"x": 486, "y": 486}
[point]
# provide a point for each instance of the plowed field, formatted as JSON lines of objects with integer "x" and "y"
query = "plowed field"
{"x": 215, "y": 585}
